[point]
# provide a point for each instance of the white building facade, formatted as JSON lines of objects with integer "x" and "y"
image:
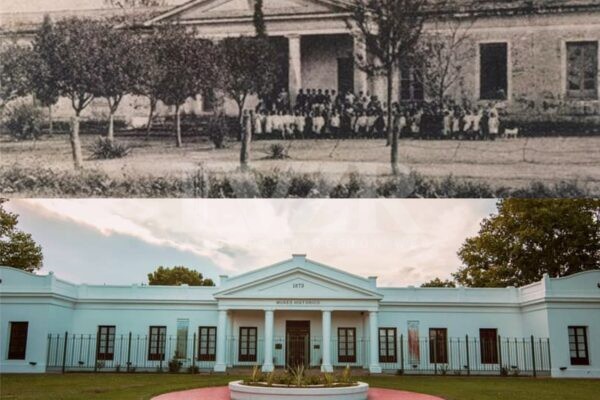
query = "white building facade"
{"x": 301, "y": 312}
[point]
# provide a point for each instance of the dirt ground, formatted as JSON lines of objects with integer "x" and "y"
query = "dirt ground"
{"x": 505, "y": 162}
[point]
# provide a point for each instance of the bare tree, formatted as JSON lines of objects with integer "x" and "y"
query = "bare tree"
{"x": 390, "y": 30}
{"x": 443, "y": 51}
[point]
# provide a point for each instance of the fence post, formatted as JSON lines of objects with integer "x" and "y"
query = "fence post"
{"x": 468, "y": 358}
{"x": 48, "y": 351}
{"x": 549, "y": 359}
{"x": 435, "y": 359}
{"x": 402, "y": 353}
{"x": 128, "y": 351}
{"x": 500, "y": 354}
{"x": 533, "y": 356}
{"x": 64, "y": 360}
{"x": 194, "y": 354}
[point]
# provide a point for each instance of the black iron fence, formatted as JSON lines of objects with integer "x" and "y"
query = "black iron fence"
{"x": 453, "y": 356}
{"x": 125, "y": 353}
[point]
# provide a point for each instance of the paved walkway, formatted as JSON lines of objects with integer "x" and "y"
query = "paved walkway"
{"x": 222, "y": 393}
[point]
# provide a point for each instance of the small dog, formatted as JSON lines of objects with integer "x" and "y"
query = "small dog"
{"x": 511, "y": 133}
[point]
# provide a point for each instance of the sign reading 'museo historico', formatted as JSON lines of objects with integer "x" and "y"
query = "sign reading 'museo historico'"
{"x": 297, "y": 302}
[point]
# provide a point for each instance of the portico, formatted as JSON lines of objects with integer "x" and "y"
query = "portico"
{"x": 320, "y": 48}
{"x": 297, "y": 316}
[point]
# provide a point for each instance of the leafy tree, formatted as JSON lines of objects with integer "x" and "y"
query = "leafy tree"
{"x": 117, "y": 70}
{"x": 151, "y": 72}
{"x": 17, "y": 248}
{"x": 438, "y": 283}
{"x": 259, "y": 19}
{"x": 248, "y": 65}
{"x": 43, "y": 83}
{"x": 73, "y": 60}
{"x": 390, "y": 31}
{"x": 177, "y": 276}
{"x": 14, "y": 78}
{"x": 191, "y": 64}
{"x": 528, "y": 238}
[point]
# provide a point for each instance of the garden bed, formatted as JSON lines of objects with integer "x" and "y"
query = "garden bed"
{"x": 350, "y": 391}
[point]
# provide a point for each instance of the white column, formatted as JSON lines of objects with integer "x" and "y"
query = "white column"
{"x": 229, "y": 340}
{"x": 268, "y": 363}
{"x": 360, "y": 77}
{"x": 295, "y": 66}
{"x": 326, "y": 366}
{"x": 374, "y": 366}
{"x": 220, "y": 365}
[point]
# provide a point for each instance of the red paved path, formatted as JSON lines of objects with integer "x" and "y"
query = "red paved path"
{"x": 222, "y": 393}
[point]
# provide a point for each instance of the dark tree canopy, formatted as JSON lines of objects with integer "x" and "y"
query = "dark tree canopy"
{"x": 438, "y": 283}
{"x": 528, "y": 238}
{"x": 176, "y": 276}
{"x": 15, "y": 63}
{"x": 190, "y": 63}
{"x": 43, "y": 82}
{"x": 17, "y": 248}
{"x": 248, "y": 66}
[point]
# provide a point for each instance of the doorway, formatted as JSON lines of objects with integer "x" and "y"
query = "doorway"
{"x": 345, "y": 75}
{"x": 297, "y": 335}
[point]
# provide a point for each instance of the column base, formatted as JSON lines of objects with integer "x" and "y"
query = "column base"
{"x": 375, "y": 369}
{"x": 326, "y": 368}
{"x": 267, "y": 368}
{"x": 220, "y": 368}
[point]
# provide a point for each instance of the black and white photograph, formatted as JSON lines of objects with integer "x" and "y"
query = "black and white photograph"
{"x": 299, "y": 199}
{"x": 300, "y": 98}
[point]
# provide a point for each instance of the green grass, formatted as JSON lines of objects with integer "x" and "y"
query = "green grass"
{"x": 144, "y": 386}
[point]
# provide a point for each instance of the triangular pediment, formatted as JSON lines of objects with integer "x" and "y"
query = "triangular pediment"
{"x": 223, "y": 9}
{"x": 298, "y": 278}
{"x": 297, "y": 284}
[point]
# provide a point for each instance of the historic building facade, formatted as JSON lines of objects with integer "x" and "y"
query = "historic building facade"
{"x": 301, "y": 312}
{"x": 539, "y": 57}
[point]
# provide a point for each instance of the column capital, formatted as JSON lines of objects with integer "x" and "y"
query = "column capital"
{"x": 293, "y": 36}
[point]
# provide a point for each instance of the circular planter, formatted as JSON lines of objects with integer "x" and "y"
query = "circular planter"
{"x": 239, "y": 391}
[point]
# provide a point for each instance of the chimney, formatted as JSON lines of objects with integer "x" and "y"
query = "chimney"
{"x": 223, "y": 279}
{"x": 299, "y": 257}
{"x": 373, "y": 281}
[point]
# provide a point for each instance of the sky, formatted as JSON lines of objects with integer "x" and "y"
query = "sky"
{"x": 120, "y": 241}
{"x": 57, "y": 5}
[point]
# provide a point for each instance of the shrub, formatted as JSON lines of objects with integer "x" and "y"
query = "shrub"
{"x": 24, "y": 121}
{"x": 217, "y": 128}
{"x": 277, "y": 152}
{"x": 104, "y": 149}
{"x": 301, "y": 186}
{"x": 175, "y": 365}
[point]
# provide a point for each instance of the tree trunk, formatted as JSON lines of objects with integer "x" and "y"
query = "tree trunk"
{"x": 50, "y": 121}
{"x": 111, "y": 127}
{"x": 246, "y": 140}
{"x": 149, "y": 125}
{"x": 178, "y": 126}
{"x": 76, "y": 142}
{"x": 241, "y": 120}
{"x": 391, "y": 132}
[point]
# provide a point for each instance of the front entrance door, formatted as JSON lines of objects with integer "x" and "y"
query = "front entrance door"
{"x": 345, "y": 75}
{"x": 297, "y": 335}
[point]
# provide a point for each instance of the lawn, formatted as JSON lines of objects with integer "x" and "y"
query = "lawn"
{"x": 511, "y": 163}
{"x": 108, "y": 386}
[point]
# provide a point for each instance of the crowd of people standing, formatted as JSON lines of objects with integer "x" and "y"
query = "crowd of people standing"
{"x": 326, "y": 113}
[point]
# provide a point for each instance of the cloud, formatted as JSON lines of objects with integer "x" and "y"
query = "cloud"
{"x": 401, "y": 241}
